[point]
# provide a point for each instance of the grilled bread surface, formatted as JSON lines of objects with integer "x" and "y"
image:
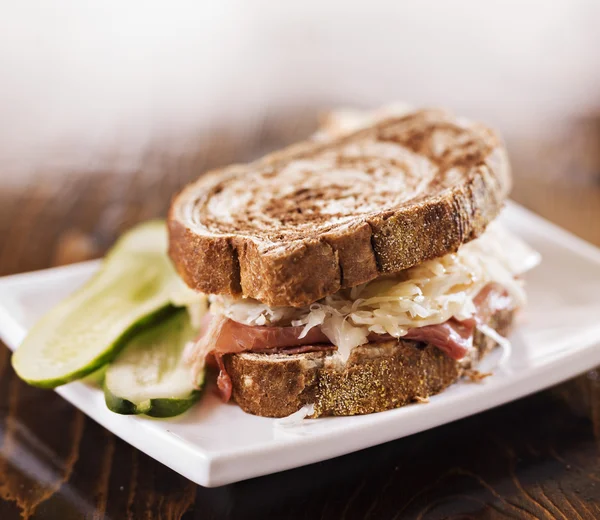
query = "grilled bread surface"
{"x": 316, "y": 217}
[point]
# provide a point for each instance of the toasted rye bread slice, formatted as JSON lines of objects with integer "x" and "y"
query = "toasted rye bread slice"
{"x": 377, "y": 376}
{"x": 305, "y": 222}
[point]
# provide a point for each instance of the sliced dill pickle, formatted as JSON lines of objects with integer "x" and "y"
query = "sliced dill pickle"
{"x": 149, "y": 376}
{"x": 86, "y": 330}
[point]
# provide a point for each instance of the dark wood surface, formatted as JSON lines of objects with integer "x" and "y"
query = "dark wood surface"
{"x": 538, "y": 457}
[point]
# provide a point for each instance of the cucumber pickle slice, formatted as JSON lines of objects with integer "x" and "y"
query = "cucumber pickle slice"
{"x": 149, "y": 376}
{"x": 131, "y": 290}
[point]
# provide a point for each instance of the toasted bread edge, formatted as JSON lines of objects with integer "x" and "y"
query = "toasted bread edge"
{"x": 377, "y": 377}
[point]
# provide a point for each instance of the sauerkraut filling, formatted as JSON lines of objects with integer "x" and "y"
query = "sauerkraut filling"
{"x": 431, "y": 293}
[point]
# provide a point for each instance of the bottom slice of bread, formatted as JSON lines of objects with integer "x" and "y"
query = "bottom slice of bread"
{"x": 376, "y": 377}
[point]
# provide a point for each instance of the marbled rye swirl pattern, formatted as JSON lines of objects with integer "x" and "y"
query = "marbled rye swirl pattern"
{"x": 304, "y": 222}
{"x": 373, "y": 171}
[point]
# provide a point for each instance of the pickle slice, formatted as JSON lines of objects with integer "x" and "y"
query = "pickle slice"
{"x": 131, "y": 290}
{"x": 149, "y": 376}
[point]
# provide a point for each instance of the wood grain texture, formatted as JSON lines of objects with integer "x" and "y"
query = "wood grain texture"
{"x": 535, "y": 458}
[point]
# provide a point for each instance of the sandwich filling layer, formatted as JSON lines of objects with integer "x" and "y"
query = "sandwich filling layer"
{"x": 440, "y": 302}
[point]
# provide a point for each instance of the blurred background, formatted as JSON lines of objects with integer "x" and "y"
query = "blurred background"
{"x": 115, "y": 105}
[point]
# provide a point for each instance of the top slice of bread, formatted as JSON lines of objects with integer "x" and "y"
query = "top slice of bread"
{"x": 304, "y": 222}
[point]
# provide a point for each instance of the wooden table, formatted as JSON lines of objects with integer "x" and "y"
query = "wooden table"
{"x": 538, "y": 457}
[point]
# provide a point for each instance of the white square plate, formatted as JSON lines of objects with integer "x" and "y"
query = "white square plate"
{"x": 558, "y": 337}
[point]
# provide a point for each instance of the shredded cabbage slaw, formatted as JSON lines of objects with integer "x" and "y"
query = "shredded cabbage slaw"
{"x": 428, "y": 294}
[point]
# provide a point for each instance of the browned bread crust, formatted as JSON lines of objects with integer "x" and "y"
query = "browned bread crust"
{"x": 311, "y": 219}
{"x": 376, "y": 377}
